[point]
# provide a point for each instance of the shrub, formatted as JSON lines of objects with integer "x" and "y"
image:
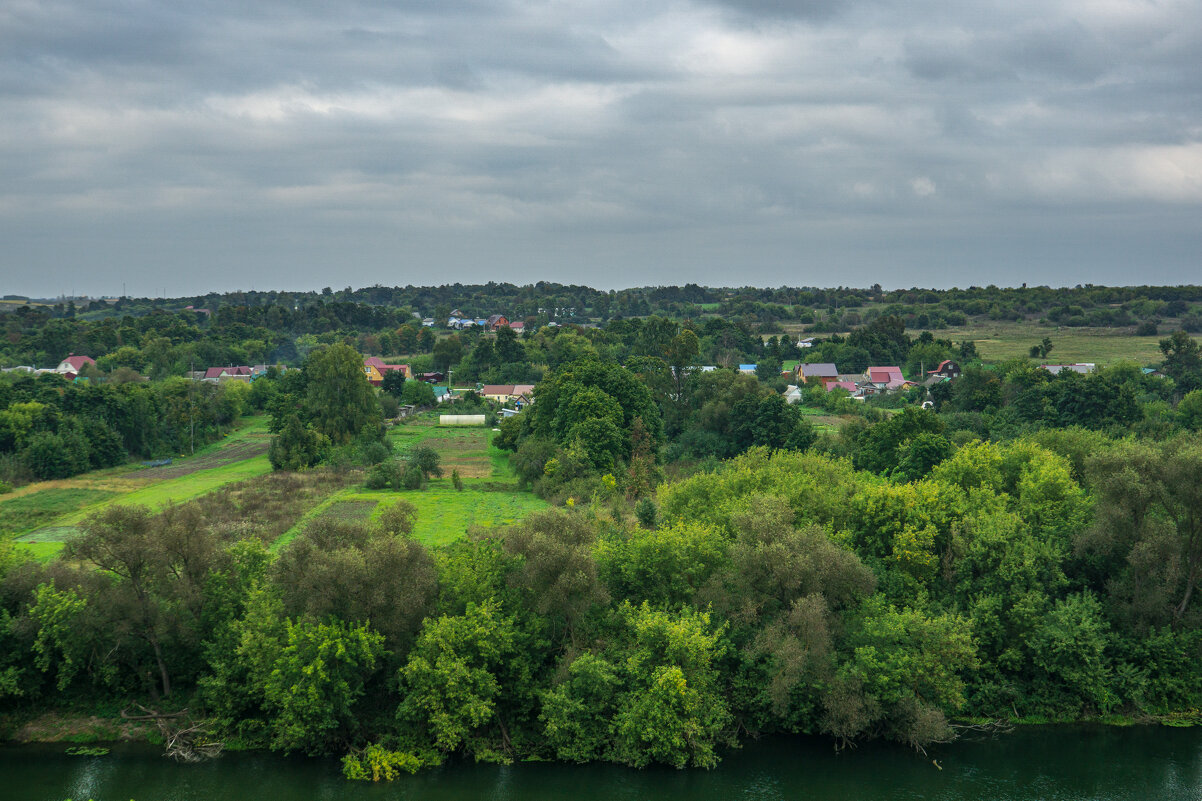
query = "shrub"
{"x": 426, "y": 460}
{"x": 412, "y": 477}
{"x": 375, "y": 453}
{"x": 647, "y": 513}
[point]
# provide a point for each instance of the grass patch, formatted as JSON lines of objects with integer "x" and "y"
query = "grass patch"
{"x": 50, "y": 534}
{"x": 490, "y": 496}
{"x": 444, "y": 514}
{"x": 40, "y": 551}
{"x": 180, "y": 489}
{"x": 49, "y": 512}
{"x": 27, "y": 512}
{"x": 348, "y": 510}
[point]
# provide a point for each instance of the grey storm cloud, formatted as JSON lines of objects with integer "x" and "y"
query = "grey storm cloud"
{"x": 219, "y": 145}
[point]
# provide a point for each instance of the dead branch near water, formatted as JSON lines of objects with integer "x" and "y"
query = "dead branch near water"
{"x": 184, "y": 740}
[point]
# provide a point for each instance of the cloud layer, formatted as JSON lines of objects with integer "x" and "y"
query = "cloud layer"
{"x": 220, "y": 145}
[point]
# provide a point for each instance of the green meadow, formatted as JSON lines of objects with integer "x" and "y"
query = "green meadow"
{"x": 30, "y": 511}
{"x": 490, "y": 496}
{"x": 999, "y": 341}
{"x": 41, "y": 517}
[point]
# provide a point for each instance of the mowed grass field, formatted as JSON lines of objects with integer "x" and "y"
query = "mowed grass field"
{"x": 490, "y": 496}
{"x": 999, "y": 341}
{"x": 41, "y": 517}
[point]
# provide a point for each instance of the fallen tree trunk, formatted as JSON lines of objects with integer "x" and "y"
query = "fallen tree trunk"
{"x": 183, "y": 739}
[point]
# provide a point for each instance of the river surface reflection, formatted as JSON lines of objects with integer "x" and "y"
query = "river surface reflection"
{"x": 1056, "y": 763}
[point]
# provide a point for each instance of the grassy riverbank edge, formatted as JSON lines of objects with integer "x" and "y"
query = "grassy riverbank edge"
{"x": 104, "y": 725}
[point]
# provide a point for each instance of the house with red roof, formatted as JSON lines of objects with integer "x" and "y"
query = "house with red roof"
{"x": 239, "y": 373}
{"x": 71, "y": 365}
{"x": 885, "y": 377}
{"x": 946, "y": 369}
{"x": 375, "y": 369}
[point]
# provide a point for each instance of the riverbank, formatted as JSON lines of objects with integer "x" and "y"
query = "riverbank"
{"x": 104, "y": 727}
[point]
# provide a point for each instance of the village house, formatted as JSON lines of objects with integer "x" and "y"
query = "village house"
{"x": 885, "y": 378}
{"x": 70, "y": 366}
{"x": 946, "y": 369}
{"x": 231, "y": 373}
{"x": 1084, "y": 368}
{"x": 818, "y": 371}
{"x": 375, "y": 369}
{"x": 496, "y": 392}
{"x": 507, "y": 393}
{"x": 523, "y": 395}
{"x": 495, "y": 321}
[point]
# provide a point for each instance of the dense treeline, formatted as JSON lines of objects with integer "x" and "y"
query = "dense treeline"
{"x": 163, "y": 337}
{"x": 781, "y": 592}
{"x": 52, "y": 428}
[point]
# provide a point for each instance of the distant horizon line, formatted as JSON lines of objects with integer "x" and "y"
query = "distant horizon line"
{"x": 63, "y": 298}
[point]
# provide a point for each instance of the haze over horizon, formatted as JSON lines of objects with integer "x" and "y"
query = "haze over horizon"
{"x": 221, "y": 146}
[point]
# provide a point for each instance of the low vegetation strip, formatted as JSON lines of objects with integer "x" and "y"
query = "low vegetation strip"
{"x": 349, "y": 510}
{"x": 237, "y": 452}
{"x": 60, "y": 534}
{"x": 28, "y": 512}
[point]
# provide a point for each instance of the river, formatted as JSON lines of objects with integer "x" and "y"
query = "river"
{"x": 1056, "y": 763}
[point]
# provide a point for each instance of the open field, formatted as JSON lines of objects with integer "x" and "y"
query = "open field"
{"x": 236, "y": 452}
{"x": 999, "y": 341}
{"x": 462, "y": 448}
{"x": 490, "y": 496}
{"x": 33, "y": 510}
{"x": 44, "y": 515}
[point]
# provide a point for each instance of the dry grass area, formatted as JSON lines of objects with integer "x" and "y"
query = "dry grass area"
{"x": 58, "y": 727}
{"x": 348, "y": 511}
{"x": 267, "y": 506}
{"x": 466, "y": 451}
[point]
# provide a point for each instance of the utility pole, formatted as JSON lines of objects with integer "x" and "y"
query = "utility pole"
{"x": 191, "y": 408}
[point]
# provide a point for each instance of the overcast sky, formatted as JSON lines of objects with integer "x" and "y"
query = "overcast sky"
{"x": 182, "y": 147}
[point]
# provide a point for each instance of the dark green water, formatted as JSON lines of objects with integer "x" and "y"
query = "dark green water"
{"x": 1053, "y": 763}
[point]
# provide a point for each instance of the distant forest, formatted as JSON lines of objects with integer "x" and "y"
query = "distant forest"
{"x": 163, "y": 337}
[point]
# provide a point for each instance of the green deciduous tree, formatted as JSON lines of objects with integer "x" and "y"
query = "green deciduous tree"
{"x": 339, "y": 402}
{"x": 315, "y": 681}
{"x": 451, "y": 683}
